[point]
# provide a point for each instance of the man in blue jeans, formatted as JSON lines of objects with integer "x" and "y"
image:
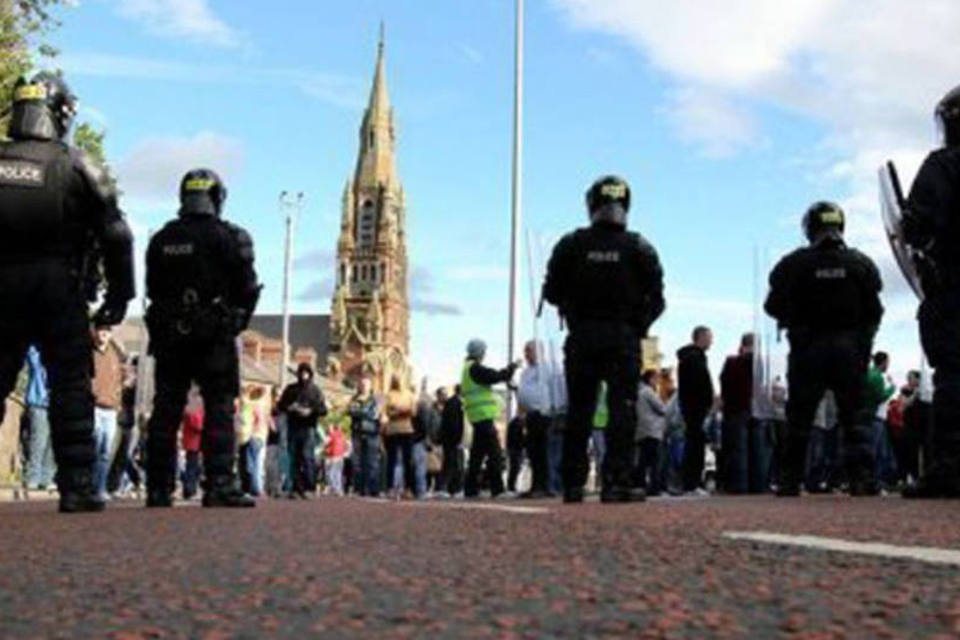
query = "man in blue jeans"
{"x": 364, "y": 413}
{"x": 107, "y": 396}
{"x": 41, "y": 467}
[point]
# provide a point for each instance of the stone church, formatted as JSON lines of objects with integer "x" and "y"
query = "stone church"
{"x": 370, "y": 316}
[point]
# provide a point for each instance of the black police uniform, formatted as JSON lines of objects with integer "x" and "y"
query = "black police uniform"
{"x": 53, "y": 199}
{"x": 932, "y": 223}
{"x": 203, "y": 290}
{"x": 608, "y": 285}
{"x": 827, "y": 297}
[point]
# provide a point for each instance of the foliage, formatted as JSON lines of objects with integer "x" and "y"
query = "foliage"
{"x": 22, "y": 23}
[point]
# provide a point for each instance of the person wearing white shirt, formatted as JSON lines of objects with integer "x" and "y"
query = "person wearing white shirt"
{"x": 534, "y": 399}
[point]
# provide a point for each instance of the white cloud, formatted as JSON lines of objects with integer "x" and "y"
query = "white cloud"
{"x": 190, "y": 19}
{"x": 338, "y": 90}
{"x": 710, "y": 122}
{"x": 730, "y": 44}
{"x": 849, "y": 66}
{"x": 150, "y": 174}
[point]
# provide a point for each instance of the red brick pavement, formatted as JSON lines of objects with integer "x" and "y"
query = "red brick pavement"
{"x": 352, "y": 568}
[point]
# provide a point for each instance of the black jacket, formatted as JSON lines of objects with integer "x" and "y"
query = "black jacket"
{"x": 824, "y": 288}
{"x": 451, "y": 422}
{"x": 306, "y": 395}
{"x": 605, "y": 275}
{"x": 209, "y": 256}
{"x": 694, "y": 384}
{"x": 56, "y": 202}
{"x": 488, "y": 377}
{"x": 932, "y": 219}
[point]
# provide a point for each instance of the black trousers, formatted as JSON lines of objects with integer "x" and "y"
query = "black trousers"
{"x": 816, "y": 364}
{"x": 940, "y": 335}
{"x": 538, "y": 426}
{"x": 586, "y": 366}
{"x": 215, "y": 369}
{"x": 451, "y": 477}
{"x": 514, "y": 465}
{"x": 694, "y": 446}
{"x": 485, "y": 448}
{"x": 647, "y": 472}
{"x": 43, "y": 305}
{"x": 302, "y": 444}
{"x": 399, "y": 446}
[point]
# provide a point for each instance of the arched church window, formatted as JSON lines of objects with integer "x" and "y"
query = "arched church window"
{"x": 363, "y": 273}
{"x": 373, "y": 273}
{"x": 383, "y": 272}
{"x": 343, "y": 273}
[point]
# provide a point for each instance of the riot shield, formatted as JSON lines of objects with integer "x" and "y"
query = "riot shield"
{"x": 891, "y": 206}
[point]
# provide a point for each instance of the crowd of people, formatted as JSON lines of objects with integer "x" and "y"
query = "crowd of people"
{"x": 404, "y": 445}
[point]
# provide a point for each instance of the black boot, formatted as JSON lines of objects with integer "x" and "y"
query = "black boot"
{"x": 160, "y": 485}
{"x": 573, "y": 495}
{"x": 77, "y": 494}
{"x": 223, "y": 492}
{"x": 159, "y": 498}
{"x": 622, "y": 494}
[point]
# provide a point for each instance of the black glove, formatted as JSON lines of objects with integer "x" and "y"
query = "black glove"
{"x": 110, "y": 313}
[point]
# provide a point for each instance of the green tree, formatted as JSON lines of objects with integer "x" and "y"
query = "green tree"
{"x": 23, "y": 26}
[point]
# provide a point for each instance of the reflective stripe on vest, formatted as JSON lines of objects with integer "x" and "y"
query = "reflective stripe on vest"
{"x": 479, "y": 401}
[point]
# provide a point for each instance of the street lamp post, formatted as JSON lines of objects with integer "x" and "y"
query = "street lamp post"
{"x": 516, "y": 208}
{"x": 290, "y": 209}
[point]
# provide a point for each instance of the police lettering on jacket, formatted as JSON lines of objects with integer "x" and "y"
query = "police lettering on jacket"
{"x": 21, "y": 174}
{"x": 184, "y": 249}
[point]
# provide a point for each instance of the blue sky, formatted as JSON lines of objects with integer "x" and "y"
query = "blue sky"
{"x": 727, "y": 122}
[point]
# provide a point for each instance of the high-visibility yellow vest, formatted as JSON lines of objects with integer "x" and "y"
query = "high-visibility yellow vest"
{"x": 479, "y": 401}
{"x": 601, "y": 417}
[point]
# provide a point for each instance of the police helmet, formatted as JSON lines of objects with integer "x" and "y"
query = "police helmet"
{"x": 43, "y": 108}
{"x": 608, "y": 201}
{"x": 476, "y": 349}
{"x": 202, "y": 193}
{"x": 823, "y": 218}
{"x": 948, "y": 117}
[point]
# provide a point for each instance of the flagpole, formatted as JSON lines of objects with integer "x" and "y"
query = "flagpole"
{"x": 516, "y": 209}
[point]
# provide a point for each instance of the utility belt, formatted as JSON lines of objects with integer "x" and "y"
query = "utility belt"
{"x": 191, "y": 320}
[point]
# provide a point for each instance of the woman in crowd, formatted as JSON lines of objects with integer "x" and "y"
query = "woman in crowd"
{"x": 651, "y": 424}
{"x": 398, "y": 438}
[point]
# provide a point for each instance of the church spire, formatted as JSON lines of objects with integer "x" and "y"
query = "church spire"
{"x": 379, "y": 99}
{"x": 375, "y": 166}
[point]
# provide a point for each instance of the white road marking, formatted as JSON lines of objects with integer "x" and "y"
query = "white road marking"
{"x": 478, "y": 506}
{"x": 931, "y": 555}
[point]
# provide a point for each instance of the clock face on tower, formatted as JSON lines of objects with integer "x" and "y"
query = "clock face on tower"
{"x": 370, "y": 315}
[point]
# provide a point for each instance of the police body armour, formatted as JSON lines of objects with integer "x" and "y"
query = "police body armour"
{"x": 32, "y": 180}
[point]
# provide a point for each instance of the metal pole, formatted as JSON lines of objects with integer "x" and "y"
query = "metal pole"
{"x": 517, "y": 192}
{"x": 285, "y": 210}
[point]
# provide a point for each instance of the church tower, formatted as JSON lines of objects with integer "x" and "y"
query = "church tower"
{"x": 371, "y": 314}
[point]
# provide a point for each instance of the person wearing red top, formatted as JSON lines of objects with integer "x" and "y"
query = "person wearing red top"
{"x": 337, "y": 449}
{"x": 190, "y": 438}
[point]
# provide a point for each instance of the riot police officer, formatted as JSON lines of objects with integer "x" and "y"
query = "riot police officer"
{"x": 203, "y": 291}
{"x": 607, "y": 284}
{"x": 827, "y": 297}
{"x": 53, "y": 201}
{"x": 931, "y": 226}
